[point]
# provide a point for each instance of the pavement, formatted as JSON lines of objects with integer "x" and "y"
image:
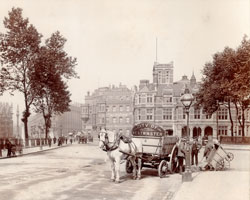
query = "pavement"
{"x": 32, "y": 150}
{"x": 215, "y": 185}
{"x": 229, "y": 184}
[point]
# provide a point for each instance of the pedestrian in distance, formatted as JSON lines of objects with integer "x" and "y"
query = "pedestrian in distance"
{"x": 49, "y": 141}
{"x": 54, "y": 140}
{"x": 8, "y": 146}
{"x": 180, "y": 155}
{"x": 13, "y": 150}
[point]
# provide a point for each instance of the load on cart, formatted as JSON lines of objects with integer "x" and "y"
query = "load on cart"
{"x": 159, "y": 148}
{"x": 216, "y": 157}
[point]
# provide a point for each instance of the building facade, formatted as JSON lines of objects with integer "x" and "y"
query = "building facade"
{"x": 61, "y": 125}
{"x": 159, "y": 103}
{"x": 6, "y": 120}
{"x": 110, "y": 108}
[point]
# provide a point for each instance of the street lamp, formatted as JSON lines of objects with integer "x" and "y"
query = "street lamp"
{"x": 187, "y": 99}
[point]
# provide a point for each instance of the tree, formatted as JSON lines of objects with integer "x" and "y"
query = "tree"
{"x": 227, "y": 80}
{"x": 19, "y": 48}
{"x": 240, "y": 84}
{"x": 52, "y": 66}
{"x": 214, "y": 89}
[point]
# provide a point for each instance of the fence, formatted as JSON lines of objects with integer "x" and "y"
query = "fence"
{"x": 234, "y": 140}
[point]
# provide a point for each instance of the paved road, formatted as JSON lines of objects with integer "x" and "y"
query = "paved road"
{"x": 77, "y": 172}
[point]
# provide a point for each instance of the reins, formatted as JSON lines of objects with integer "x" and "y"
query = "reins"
{"x": 114, "y": 146}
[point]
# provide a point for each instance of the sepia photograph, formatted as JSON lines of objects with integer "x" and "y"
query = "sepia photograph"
{"x": 125, "y": 100}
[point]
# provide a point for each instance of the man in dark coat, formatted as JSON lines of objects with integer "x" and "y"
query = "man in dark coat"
{"x": 196, "y": 146}
{"x": 8, "y": 147}
{"x": 180, "y": 154}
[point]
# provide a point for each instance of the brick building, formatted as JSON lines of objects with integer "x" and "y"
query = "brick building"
{"x": 110, "y": 108}
{"x": 61, "y": 125}
{"x": 159, "y": 103}
{"x": 6, "y": 120}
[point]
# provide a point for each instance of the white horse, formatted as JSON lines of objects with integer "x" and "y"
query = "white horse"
{"x": 118, "y": 150}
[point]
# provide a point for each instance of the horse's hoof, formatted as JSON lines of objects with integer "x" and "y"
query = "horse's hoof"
{"x": 138, "y": 178}
{"x": 112, "y": 180}
{"x": 117, "y": 182}
{"x": 134, "y": 178}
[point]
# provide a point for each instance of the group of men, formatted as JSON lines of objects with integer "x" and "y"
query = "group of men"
{"x": 195, "y": 145}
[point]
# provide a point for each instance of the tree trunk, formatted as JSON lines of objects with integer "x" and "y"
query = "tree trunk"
{"x": 25, "y": 121}
{"x": 47, "y": 123}
{"x": 243, "y": 122}
{"x": 231, "y": 119}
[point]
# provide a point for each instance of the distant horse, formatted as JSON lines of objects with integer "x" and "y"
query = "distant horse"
{"x": 118, "y": 150}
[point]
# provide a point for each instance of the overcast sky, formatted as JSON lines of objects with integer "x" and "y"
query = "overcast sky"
{"x": 115, "y": 40}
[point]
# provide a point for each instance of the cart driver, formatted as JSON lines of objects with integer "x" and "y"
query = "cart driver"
{"x": 181, "y": 154}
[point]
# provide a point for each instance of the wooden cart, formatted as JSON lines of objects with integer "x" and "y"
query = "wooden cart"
{"x": 159, "y": 148}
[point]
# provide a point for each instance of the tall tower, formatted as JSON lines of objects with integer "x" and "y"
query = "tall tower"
{"x": 17, "y": 121}
{"x": 163, "y": 73}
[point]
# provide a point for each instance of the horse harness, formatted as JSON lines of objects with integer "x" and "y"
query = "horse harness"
{"x": 116, "y": 145}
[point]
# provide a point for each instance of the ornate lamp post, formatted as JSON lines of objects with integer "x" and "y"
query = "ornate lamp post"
{"x": 187, "y": 99}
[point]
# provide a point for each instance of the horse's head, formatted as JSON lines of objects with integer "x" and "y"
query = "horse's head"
{"x": 106, "y": 138}
{"x": 103, "y": 139}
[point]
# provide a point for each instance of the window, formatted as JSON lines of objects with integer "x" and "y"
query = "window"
{"x": 127, "y": 120}
{"x": 102, "y": 107}
{"x": 167, "y": 113}
{"x": 167, "y": 99}
{"x": 149, "y": 114}
{"x": 120, "y": 120}
{"x": 207, "y": 116}
{"x": 222, "y": 130}
{"x": 164, "y": 76}
{"x": 139, "y": 114}
{"x": 114, "y": 120}
{"x": 197, "y": 114}
{"x": 121, "y": 108}
{"x": 222, "y": 113}
{"x": 103, "y": 120}
{"x": 149, "y": 98}
{"x": 114, "y": 108}
{"x": 142, "y": 98}
{"x": 128, "y": 108}
{"x": 159, "y": 77}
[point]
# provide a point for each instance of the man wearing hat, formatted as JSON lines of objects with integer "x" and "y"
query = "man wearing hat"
{"x": 181, "y": 154}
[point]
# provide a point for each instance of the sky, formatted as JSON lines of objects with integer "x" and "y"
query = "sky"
{"x": 114, "y": 41}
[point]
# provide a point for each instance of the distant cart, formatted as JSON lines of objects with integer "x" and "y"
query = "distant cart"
{"x": 219, "y": 159}
{"x": 159, "y": 148}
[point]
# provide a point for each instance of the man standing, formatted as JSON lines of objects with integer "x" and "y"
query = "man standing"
{"x": 180, "y": 154}
{"x": 8, "y": 147}
{"x": 195, "y": 150}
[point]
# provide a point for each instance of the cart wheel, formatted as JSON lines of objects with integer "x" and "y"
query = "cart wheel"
{"x": 173, "y": 161}
{"x": 220, "y": 165}
{"x": 230, "y": 156}
{"x": 162, "y": 168}
{"x": 129, "y": 167}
